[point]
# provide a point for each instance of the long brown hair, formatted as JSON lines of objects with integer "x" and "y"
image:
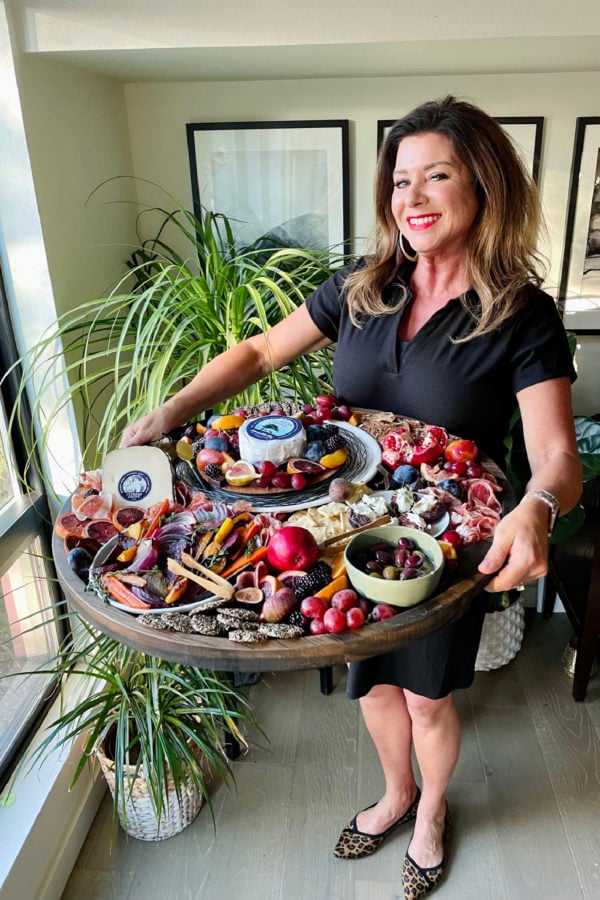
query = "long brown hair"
{"x": 501, "y": 248}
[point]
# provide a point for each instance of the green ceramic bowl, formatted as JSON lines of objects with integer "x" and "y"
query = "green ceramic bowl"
{"x": 396, "y": 593}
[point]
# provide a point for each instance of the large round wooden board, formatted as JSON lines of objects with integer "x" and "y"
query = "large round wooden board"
{"x": 276, "y": 655}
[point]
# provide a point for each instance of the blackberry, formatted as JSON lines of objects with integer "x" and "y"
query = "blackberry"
{"x": 317, "y": 577}
{"x": 330, "y": 429}
{"x": 197, "y": 446}
{"x": 296, "y": 618}
{"x": 335, "y": 442}
{"x": 212, "y": 470}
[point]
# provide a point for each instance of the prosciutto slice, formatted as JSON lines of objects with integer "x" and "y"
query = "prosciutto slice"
{"x": 476, "y": 518}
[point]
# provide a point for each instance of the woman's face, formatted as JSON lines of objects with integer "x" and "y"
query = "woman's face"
{"x": 433, "y": 201}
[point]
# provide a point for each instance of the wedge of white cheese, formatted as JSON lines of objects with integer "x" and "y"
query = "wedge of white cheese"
{"x": 137, "y": 476}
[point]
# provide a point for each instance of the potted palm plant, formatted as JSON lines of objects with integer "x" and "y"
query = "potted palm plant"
{"x": 188, "y": 293}
{"x": 158, "y": 729}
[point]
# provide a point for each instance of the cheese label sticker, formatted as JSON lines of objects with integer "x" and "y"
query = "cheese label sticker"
{"x": 272, "y": 428}
{"x": 134, "y": 486}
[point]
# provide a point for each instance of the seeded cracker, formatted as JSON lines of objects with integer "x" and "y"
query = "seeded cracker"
{"x": 240, "y": 614}
{"x": 280, "y": 630}
{"x": 157, "y": 622}
{"x": 246, "y": 637}
{"x": 178, "y": 622}
{"x": 207, "y": 625}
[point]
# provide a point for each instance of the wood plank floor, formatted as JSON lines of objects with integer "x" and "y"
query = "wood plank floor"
{"x": 525, "y": 800}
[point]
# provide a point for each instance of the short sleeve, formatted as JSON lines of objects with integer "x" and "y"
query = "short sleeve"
{"x": 540, "y": 346}
{"x": 325, "y": 304}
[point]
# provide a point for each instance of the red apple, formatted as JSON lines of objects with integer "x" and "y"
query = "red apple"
{"x": 355, "y": 618}
{"x": 344, "y": 599}
{"x": 292, "y": 547}
{"x": 334, "y": 620}
{"x": 382, "y": 611}
{"x": 317, "y": 626}
{"x": 313, "y": 607}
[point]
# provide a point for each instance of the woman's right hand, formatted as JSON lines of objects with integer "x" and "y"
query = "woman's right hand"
{"x": 149, "y": 428}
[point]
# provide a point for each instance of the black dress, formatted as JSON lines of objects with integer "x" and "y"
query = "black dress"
{"x": 469, "y": 389}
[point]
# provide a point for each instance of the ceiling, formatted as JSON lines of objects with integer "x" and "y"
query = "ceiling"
{"x": 204, "y": 40}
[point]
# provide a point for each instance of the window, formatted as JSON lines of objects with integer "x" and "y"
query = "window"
{"x": 29, "y": 633}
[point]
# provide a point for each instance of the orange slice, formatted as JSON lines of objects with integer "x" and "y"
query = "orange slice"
{"x": 338, "y": 584}
{"x": 333, "y": 460}
{"x": 69, "y": 524}
{"x": 338, "y": 565}
{"x": 227, "y": 423}
{"x": 448, "y": 550}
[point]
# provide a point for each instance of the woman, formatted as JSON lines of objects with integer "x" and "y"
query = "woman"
{"x": 444, "y": 322}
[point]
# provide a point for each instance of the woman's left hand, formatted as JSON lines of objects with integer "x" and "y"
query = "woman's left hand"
{"x": 519, "y": 551}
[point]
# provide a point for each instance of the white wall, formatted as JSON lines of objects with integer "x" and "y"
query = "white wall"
{"x": 83, "y": 128}
{"x": 77, "y": 135}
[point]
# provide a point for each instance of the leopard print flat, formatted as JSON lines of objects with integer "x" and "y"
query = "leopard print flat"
{"x": 354, "y": 844}
{"x": 417, "y": 882}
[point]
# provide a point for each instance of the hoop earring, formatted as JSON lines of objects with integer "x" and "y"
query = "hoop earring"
{"x": 406, "y": 255}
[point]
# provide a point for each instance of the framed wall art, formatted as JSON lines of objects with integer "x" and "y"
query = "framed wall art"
{"x": 287, "y": 180}
{"x": 527, "y": 133}
{"x": 579, "y": 287}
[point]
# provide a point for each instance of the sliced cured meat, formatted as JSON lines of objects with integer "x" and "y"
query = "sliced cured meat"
{"x": 481, "y": 494}
{"x": 96, "y": 506}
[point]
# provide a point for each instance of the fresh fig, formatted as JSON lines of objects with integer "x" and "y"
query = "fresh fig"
{"x": 340, "y": 490}
{"x": 278, "y": 605}
{"x": 249, "y": 596}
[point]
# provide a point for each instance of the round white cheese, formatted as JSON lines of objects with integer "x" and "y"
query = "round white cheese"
{"x": 274, "y": 438}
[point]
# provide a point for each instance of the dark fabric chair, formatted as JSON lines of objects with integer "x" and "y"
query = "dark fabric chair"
{"x": 574, "y": 574}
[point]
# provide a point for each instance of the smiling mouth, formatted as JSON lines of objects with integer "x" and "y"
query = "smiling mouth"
{"x": 420, "y": 222}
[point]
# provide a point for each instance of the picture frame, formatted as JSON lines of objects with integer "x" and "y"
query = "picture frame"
{"x": 288, "y": 180}
{"x": 579, "y": 284}
{"x": 527, "y": 132}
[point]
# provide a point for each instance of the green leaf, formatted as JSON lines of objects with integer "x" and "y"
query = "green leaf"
{"x": 587, "y": 431}
{"x": 568, "y": 524}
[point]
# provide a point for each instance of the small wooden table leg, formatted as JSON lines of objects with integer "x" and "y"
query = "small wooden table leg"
{"x": 326, "y": 677}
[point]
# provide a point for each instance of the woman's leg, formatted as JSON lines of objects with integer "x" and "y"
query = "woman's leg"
{"x": 388, "y": 722}
{"x": 436, "y": 738}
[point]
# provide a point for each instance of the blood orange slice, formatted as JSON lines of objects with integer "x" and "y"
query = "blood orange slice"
{"x": 72, "y": 541}
{"x": 69, "y": 524}
{"x": 125, "y": 516}
{"x": 298, "y": 465}
{"x": 101, "y": 530}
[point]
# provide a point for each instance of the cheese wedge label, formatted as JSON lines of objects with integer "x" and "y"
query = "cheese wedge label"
{"x": 139, "y": 476}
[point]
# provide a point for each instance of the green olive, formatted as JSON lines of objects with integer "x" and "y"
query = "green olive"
{"x": 390, "y": 573}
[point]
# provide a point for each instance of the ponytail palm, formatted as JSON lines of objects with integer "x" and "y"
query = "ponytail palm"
{"x": 127, "y": 352}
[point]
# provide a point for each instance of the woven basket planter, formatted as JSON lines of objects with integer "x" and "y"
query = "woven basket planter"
{"x": 501, "y": 637}
{"x": 139, "y": 819}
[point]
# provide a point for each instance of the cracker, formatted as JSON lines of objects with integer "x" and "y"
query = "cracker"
{"x": 246, "y": 637}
